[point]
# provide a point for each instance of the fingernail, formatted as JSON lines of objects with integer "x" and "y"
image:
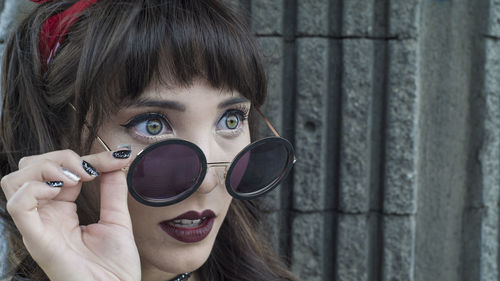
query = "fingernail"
{"x": 71, "y": 175}
{"x": 89, "y": 169}
{"x": 124, "y": 147}
{"x": 122, "y": 154}
{"x": 58, "y": 184}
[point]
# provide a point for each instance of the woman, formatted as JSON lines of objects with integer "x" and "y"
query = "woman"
{"x": 171, "y": 88}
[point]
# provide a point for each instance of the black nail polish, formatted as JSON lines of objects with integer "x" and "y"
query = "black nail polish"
{"x": 55, "y": 183}
{"x": 122, "y": 154}
{"x": 89, "y": 169}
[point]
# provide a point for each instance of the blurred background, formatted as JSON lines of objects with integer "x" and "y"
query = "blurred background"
{"x": 393, "y": 107}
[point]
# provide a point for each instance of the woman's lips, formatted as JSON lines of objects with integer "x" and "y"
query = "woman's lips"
{"x": 190, "y": 227}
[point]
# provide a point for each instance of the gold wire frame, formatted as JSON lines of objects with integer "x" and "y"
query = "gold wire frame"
{"x": 271, "y": 127}
{"x": 103, "y": 144}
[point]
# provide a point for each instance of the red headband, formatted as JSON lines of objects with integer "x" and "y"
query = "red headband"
{"x": 56, "y": 27}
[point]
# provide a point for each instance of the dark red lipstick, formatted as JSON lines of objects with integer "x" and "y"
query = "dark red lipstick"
{"x": 190, "y": 227}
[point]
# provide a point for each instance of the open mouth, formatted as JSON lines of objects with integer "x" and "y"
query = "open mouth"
{"x": 184, "y": 223}
{"x": 190, "y": 227}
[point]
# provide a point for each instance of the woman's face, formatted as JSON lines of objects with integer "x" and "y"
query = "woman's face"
{"x": 215, "y": 120}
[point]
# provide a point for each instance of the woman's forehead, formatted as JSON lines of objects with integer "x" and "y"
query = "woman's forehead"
{"x": 198, "y": 91}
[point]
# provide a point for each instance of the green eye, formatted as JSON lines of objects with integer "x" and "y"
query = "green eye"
{"x": 149, "y": 125}
{"x": 154, "y": 126}
{"x": 232, "y": 121}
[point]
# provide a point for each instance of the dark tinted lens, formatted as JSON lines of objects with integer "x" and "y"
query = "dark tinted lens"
{"x": 260, "y": 168}
{"x": 166, "y": 172}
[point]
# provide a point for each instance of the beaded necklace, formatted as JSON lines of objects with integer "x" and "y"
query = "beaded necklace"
{"x": 182, "y": 277}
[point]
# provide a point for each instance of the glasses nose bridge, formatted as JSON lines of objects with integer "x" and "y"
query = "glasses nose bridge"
{"x": 224, "y": 165}
{"x": 219, "y": 164}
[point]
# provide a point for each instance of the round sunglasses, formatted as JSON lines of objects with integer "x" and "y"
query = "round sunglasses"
{"x": 169, "y": 171}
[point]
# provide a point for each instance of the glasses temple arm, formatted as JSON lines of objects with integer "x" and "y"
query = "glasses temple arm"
{"x": 101, "y": 142}
{"x": 268, "y": 123}
{"x": 271, "y": 127}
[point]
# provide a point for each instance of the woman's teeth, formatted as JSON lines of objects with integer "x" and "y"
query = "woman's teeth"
{"x": 187, "y": 223}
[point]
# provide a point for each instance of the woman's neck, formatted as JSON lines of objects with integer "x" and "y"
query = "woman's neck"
{"x": 163, "y": 276}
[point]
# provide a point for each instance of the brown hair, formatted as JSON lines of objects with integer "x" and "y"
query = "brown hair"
{"x": 111, "y": 54}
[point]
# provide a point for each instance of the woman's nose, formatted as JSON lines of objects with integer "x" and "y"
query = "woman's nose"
{"x": 215, "y": 174}
{"x": 214, "y": 177}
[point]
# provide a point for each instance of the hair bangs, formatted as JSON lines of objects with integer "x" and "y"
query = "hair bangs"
{"x": 177, "y": 42}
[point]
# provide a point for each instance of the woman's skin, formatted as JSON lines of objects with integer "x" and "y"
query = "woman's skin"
{"x": 213, "y": 119}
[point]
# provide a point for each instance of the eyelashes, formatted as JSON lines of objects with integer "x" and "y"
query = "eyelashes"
{"x": 243, "y": 110}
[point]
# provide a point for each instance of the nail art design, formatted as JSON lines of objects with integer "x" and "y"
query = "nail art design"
{"x": 89, "y": 169}
{"x": 122, "y": 154}
{"x": 58, "y": 184}
{"x": 71, "y": 175}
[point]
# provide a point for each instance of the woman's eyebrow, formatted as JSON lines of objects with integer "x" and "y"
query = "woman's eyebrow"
{"x": 159, "y": 103}
{"x": 174, "y": 105}
{"x": 232, "y": 101}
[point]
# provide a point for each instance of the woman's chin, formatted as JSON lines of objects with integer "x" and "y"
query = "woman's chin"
{"x": 175, "y": 259}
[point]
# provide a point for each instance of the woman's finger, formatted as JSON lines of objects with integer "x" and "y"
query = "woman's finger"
{"x": 68, "y": 159}
{"x": 58, "y": 156}
{"x": 95, "y": 165}
{"x": 113, "y": 185}
{"x": 44, "y": 171}
{"x": 107, "y": 161}
{"x": 23, "y": 207}
{"x": 84, "y": 168}
{"x": 114, "y": 207}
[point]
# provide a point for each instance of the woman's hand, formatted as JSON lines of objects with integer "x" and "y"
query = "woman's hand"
{"x": 47, "y": 219}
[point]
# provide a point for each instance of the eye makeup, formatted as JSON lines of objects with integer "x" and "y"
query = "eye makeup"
{"x": 231, "y": 124}
{"x": 149, "y": 127}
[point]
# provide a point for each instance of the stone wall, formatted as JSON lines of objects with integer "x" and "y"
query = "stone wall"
{"x": 394, "y": 111}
